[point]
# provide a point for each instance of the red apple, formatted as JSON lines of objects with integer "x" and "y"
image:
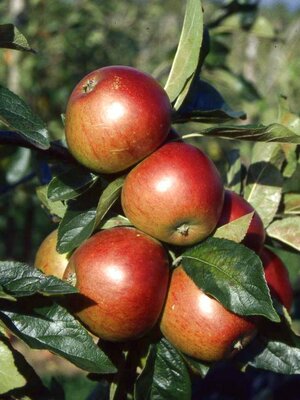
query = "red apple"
{"x": 198, "y": 325}
{"x": 48, "y": 260}
{"x": 115, "y": 117}
{"x": 123, "y": 275}
{"x": 277, "y": 278}
{"x": 175, "y": 194}
{"x": 235, "y": 207}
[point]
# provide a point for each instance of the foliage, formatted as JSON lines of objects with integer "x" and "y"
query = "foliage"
{"x": 33, "y": 306}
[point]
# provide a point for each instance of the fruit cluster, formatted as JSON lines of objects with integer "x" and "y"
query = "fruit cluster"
{"x": 118, "y": 118}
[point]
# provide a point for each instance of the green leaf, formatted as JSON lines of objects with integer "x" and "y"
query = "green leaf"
{"x": 187, "y": 55}
{"x": 70, "y": 183}
{"x": 55, "y": 208}
{"x": 12, "y": 38}
{"x": 258, "y": 133}
{"x": 15, "y": 372}
{"x": 290, "y": 151}
{"x": 205, "y": 104}
{"x": 18, "y": 279}
{"x": 47, "y": 325}
{"x": 235, "y": 230}
{"x": 107, "y": 199}
{"x": 78, "y": 222}
{"x": 165, "y": 375}
{"x": 264, "y": 180}
{"x": 286, "y": 230}
{"x": 234, "y": 174}
{"x": 197, "y": 367}
{"x": 16, "y": 114}
{"x": 274, "y": 356}
{"x": 117, "y": 220}
{"x": 291, "y": 203}
{"x": 261, "y": 28}
{"x": 75, "y": 227}
{"x": 231, "y": 273}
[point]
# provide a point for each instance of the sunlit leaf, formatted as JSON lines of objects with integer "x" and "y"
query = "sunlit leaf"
{"x": 12, "y": 38}
{"x": 286, "y": 230}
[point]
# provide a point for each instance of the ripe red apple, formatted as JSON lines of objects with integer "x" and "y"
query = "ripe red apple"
{"x": 277, "y": 277}
{"x": 198, "y": 325}
{"x": 115, "y": 117}
{"x": 175, "y": 194}
{"x": 123, "y": 275}
{"x": 235, "y": 207}
{"x": 48, "y": 260}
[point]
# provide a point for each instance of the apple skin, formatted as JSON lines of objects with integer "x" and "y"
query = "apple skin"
{"x": 277, "y": 278}
{"x": 175, "y": 194}
{"x": 47, "y": 258}
{"x": 115, "y": 117}
{"x": 198, "y": 325}
{"x": 235, "y": 206}
{"x": 123, "y": 275}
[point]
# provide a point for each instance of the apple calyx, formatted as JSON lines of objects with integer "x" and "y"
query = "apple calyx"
{"x": 89, "y": 85}
{"x": 183, "y": 229}
{"x": 71, "y": 279}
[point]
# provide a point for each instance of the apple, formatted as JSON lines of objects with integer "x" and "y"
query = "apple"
{"x": 122, "y": 275}
{"x": 277, "y": 278}
{"x": 175, "y": 194}
{"x": 47, "y": 258}
{"x": 115, "y": 117}
{"x": 235, "y": 206}
{"x": 200, "y": 326}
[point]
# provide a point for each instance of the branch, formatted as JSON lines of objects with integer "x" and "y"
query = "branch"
{"x": 56, "y": 150}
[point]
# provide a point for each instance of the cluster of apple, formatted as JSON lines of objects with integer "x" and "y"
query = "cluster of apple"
{"x": 118, "y": 117}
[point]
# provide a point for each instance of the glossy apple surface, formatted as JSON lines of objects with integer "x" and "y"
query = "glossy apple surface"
{"x": 174, "y": 195}
{"x": 277, "y": 277}
{"x": 123, "y": 274}
{"x": 48, "y": 260}
{"x": 115, "y": 117}
{"x": 199, "y": 325}
{"x": 236, "y": 206}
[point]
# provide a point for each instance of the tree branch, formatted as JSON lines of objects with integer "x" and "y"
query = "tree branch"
{"x": 56, "y": 150}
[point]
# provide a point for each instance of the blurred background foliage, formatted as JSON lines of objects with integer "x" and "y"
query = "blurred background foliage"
{"x": 254, "y": 58}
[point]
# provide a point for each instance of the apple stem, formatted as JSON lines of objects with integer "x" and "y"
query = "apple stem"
{"x": 177, "y": 261}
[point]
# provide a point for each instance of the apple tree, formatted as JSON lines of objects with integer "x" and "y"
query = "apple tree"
{"x": 231, "y": 302}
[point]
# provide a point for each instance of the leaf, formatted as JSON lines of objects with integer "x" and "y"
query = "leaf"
{"x": 15, "y": 372}
{"x": 231, "y": 273}
{"x": 198, "y": 367}
{"x": 234, "y": 174}
{"x": 205, "y": 104}
{"x": 12, "y": 38}
{"x": 70, "y": 183}
{"x": 16, "y": 114}
{"x": 47, "y": 325}
{"x": 291, "y": 203}
{"x": 264, "y": 180}
{"x": 117, "y": 220}
{"x": 235, "y": 230}
{"x": 78, "y": 222}
{"x": 18, "y": 279}
{"x": 165, "y": 375}
{"x": 259, "y": 133}
{"x": 286, "y": 230}
{"x": 55, "y": 208}
{"x": 290, "y": 151}
{"x": 109, "y": 196}
{"x": 75, "y": 227}
{"x": 274, "y": 356}
{"x": 261, "y": 27}
{"x": 187, "y": 55}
